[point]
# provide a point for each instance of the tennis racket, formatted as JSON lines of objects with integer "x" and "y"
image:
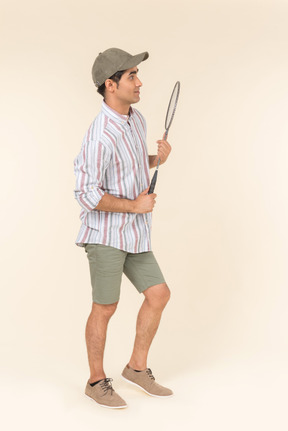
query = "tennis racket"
{"x": 168, "y": 121}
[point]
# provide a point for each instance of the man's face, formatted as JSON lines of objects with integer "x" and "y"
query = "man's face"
{"x": 128, "y": 90}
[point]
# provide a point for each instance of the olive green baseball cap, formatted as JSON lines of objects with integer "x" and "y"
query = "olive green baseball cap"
{"x": 113, "y": 60}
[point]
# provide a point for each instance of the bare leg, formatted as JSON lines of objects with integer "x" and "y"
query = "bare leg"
{"x": 96, "y": 330}
{"x": 156, "y": 298}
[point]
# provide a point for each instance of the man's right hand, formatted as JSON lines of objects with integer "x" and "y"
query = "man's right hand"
{"x": 144, "y": 203}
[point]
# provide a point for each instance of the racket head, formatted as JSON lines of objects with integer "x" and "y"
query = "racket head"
{"x": 172, "y": 106}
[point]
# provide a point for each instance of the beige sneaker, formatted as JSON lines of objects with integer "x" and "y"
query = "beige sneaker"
{"x": 146, "y": 381}
{"x": 104, "y": 394}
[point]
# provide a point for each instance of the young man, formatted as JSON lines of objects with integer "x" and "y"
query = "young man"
{"x": 112, "y": 181}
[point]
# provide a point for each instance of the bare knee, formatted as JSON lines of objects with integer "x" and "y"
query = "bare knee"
{"x": 104, "y": 310}
{"x": 158, "y": 295}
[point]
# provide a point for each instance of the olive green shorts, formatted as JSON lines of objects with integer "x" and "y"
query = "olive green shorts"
{"x": 107, "y": 265}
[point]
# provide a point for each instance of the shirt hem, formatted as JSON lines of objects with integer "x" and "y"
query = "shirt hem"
{"x": 82, "y": 244}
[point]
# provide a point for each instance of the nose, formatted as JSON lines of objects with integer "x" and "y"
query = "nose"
{"x": 138, "y": 83}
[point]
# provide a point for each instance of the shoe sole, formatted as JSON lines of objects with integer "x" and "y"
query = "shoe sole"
{"x": 152, "y": 395}
{"x": 103, "y": 405}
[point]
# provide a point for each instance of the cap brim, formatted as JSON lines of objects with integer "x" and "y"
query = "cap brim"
{"x": 134, "y": 61}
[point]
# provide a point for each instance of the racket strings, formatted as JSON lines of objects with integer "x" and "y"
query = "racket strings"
{"x": 172, "y": 105}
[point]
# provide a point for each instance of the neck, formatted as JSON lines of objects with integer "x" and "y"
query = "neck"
{"x": 119, "y": 107}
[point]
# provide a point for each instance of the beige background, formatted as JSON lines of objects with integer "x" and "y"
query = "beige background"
{"x": 220, "y": 226}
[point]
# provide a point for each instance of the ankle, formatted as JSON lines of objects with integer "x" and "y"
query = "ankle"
{"x": 139, "y": 366}
{"x": 96, "y": 378}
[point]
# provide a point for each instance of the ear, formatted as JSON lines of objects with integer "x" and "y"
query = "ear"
{"x": 110, "y": 85}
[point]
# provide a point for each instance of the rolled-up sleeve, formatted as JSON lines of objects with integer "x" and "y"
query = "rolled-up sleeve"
{"x": 89, "y": 168}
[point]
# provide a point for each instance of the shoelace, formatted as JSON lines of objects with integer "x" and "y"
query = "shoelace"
{"x": 106, "y": 385}
{"x": 149, "y": 372}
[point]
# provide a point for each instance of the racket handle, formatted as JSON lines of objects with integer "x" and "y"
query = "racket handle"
{"x": 153, "y": 183}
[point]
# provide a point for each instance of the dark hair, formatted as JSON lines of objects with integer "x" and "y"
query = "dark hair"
{"x": 116, "y": 78}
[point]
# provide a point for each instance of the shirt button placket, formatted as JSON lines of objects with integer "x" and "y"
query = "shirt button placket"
{"x": 138, "y": 157}
{"x": 141, "y": 184}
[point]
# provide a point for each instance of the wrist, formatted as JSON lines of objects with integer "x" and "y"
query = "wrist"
{"x": 152, "y": 161}
{"x": 131, "y": 206}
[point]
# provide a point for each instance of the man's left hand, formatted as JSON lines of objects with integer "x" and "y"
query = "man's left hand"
{"x": 164, "y": 149}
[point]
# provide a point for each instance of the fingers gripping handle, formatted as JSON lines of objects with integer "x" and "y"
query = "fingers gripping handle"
{"x": 153, "y": 183}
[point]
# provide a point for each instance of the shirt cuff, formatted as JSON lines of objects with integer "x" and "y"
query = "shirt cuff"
{"x": 91, "y": 199}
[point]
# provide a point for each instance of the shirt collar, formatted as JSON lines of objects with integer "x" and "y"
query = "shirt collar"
{"x": 114, "y": 115}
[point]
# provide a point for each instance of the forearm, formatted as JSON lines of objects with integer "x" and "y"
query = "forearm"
{"x": 110, "y": 203}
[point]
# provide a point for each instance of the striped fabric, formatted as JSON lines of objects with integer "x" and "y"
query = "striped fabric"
{"x": 113, "y": 159}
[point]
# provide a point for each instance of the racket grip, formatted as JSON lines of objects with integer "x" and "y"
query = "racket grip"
{"x": 153, "y": 183}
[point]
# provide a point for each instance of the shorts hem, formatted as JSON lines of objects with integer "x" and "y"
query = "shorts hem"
{"x": 151, "y": 285}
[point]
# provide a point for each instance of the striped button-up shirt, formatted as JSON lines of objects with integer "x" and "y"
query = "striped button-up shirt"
{"x": 114, "y": 160}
